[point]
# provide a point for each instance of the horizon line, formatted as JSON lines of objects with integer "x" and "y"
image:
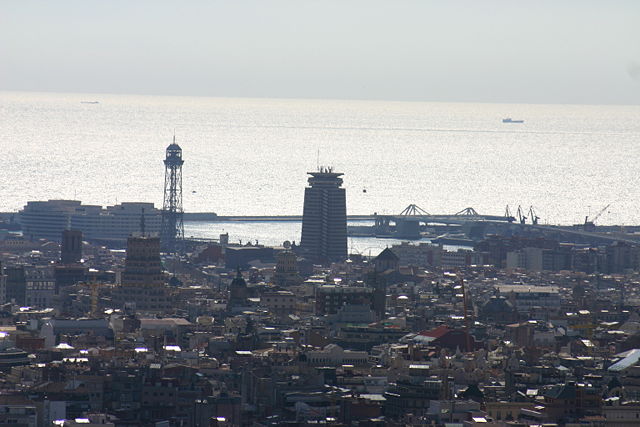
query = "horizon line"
{"x": 301, "y": 98}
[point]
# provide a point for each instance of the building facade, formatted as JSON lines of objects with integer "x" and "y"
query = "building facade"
{"x": 331, "y": 298}
{"x": 40, "y": 287}
{"x": 286, "y": 273}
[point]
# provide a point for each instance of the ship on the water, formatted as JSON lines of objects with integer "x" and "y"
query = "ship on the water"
{"x": 510, "y": 120}
{"x": 453, "y": 239}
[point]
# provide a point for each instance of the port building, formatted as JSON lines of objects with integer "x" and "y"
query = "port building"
{"x": 113, "y": 224}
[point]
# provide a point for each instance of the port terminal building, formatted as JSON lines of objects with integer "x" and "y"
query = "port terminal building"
{"x": 113, "y": 224}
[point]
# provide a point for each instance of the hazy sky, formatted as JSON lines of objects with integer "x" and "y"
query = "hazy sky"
{"x": 490, "y": 51}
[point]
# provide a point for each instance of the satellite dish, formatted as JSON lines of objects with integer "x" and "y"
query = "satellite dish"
{"x": 287, "y": 244}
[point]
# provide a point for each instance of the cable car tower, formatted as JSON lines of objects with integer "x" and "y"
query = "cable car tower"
{"x": 172, "y": 228}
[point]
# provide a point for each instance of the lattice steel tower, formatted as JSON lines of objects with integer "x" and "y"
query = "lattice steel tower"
{"x": 172, "y": 230}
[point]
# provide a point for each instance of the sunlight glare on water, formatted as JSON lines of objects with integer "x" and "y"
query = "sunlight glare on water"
{"x": 250, "y": 156}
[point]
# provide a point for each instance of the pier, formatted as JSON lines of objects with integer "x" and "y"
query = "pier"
{"x": 272, "y": 218}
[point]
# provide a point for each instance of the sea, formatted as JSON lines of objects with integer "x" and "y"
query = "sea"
{"x": 251, "y": 157}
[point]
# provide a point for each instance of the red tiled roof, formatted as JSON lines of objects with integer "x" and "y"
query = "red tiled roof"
{"x": 437, "y": 332}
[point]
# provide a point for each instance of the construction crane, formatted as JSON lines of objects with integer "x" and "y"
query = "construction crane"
{"x": 94, "y": 290}
{"x": 591, "y": 225}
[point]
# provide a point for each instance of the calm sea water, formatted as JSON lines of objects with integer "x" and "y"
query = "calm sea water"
{"x": 250, "y": 156}
{"x": 276, "y": 233}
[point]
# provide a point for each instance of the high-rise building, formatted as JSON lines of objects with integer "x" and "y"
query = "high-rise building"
{"x": 142, "y": 279}
{"x": 143, "y": 266}
{"x": 324, "y": 219}
{"x": 70, "y": 269}
{"x": 71, "y": 249}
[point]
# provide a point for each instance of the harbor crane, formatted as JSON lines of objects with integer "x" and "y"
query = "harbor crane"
{"x": 520, "y": 215}
{"x": 591, "y": 224}
{"x": 533, "y": 216}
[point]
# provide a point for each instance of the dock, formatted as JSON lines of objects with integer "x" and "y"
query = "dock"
{"x": 260, "y": 218}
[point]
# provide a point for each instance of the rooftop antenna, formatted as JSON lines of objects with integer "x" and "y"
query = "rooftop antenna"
{"x": 318, "y": 160}
{"x": 142, "y": 223}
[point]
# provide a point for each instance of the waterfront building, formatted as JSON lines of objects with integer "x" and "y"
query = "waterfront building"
{"x": 47, "y": 220}
{"x": 116, "y": 223}
{"x": 324, "y": 219}
{"x": 113, "y": 224}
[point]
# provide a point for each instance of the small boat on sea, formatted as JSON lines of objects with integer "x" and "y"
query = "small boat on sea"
{"x": 89, "y": 102}
{"x": 510, "y": 120}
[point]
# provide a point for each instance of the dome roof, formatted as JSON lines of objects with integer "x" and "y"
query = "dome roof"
{"x": 238, "y": 281}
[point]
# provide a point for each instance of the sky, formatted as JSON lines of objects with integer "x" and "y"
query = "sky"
{"x": 573, "y": 51}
